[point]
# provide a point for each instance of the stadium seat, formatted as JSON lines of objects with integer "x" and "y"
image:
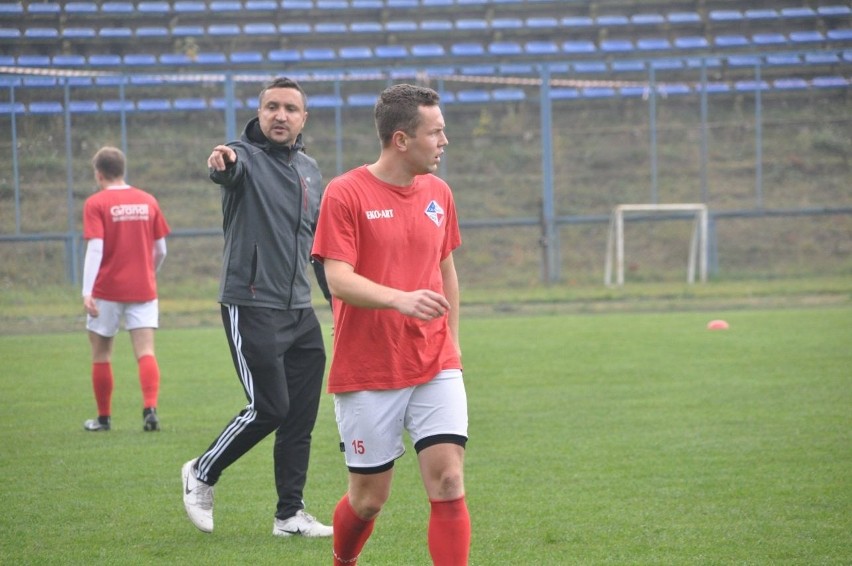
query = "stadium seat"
{"x": 355, "y": 52}
{"x": 294, "y": 28}
{"x": 475, "y": 70}
{"x": 714, "y": 88}
{"x": 10, "y": 33}
{"x": 175, "y": 59}
{"x": 33, "y": 60}
{"x": 79, "y": 33}
{"x": 318, "y": 54}
{"x": 730, "y": 41}
{"x": 152, "y": 32}
{"x": 596, "y": 67}
{"x": 653, "y": 44}
{"x": 11, "y": 8}
{"x": 402, "y": 3}
{"x": 428, "y": 50}
{"x": 508, "y": 94}
{"x": 504, "y": 48}
{"x": 597, "y": 92}
{"x": 769, "y": 39}
{"x": 68, "y": 60}
{"x": 647, "y": 19}
{"x": 83, "y": 106}
{"x": 726, "y": 16}
{"x": 435, "y": 3}
{"x": 806, "y": 36}
{"x": 81, "y": 8}
{"x": 790, "y": 84}
{"x": 744, "y": 60}
{"x": 577, "y": 22}
{"x": 331, "y": 4}
{"x": 284, "y": 56}
{"x": 783, "y": 59}
{"x": 222, "y": 103}
{"x": 297, "y": 4}
{"x": 473, "y": 96}
{"x": 46, "y": 108}
{"x": 822, "y": 58}
{"x": 436, "y": 25}
{"x": 541, "y": 48}
{"x": 616, "y": 45}
{"x": 467, "y": 49}
{"x": 38, "y": 81}
{"x": 112, "y": 33}
{"x": 669, "y": 89}
{"x": 261, "y": 5}
{"x": 260, "y": 28}
{"x": 540, "y": 22}
{"x": 832, "y": 11}
{"x": 471, "y": 24}
{"x": 246, "y": 57}
{"x": 210, "y": 58}
{"x": 365, "y": 27}
{"x": 797, "y": 12}
{"x": 667, "y": 64}
{"x": 8, "y": 108}
{"x": 7, "y": 61}
{"x": 140, "y": 59}
{"x": 691, "y": 42}
{"x": 187, "y": 31}
{"x": 224, "y": 6}
{"x": 761, "y": 14}
{"x": 325, "y": 101}
{"x": 830, "y": 82}
{"x": 41, "y": 33}
{"x": 844, "y": 34}
{"x": 515, "y": 68}
{"x": 189, "y": 7}
{"x": 581, "y": 47}
{"x": 153, "y": 105}
{"x": 361, "y": 100}
{"x": 750, "y": 86}
{"x": 154, "y": 7}
{"x": 223, "y": 30}
{"x": 633, "y": 91}
{"x": 118, "y": 106}
{"x": 332, "y": 28}
{"x": 117, "y": 8}
{"x": 368, "y": 4}
{"x": 628, "y": 65}
{"x": 507, "y": 23}
{"x": 612, "y": 21}
{"x": 391, "y": 51}
{"x": 561, "y": 93}
{"x": 41, "y": 8}
{"x": 190, "y": 104}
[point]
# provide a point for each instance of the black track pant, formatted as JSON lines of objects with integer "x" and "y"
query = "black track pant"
{"x": 280, "y": 360}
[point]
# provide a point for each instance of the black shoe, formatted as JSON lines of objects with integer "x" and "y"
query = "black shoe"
{"x": 97, "y": 425}
{"x": 150, "y": 422}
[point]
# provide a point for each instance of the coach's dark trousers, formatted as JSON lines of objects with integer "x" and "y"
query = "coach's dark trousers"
{"x": 280, "y": 361}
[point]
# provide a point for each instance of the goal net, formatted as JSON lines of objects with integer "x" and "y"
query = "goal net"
{"x": 697, "y": 246}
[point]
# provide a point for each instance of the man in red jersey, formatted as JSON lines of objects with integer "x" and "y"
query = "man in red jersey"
{"x": 126, "y": 234}
{"x": 386, "y": 235}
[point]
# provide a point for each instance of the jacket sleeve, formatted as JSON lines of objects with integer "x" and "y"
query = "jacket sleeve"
{"x": 233, "y": 173}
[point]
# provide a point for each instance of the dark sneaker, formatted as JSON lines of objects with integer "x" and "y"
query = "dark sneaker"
{"x": 97, "y": 425}
{"x": 150, "y": 421}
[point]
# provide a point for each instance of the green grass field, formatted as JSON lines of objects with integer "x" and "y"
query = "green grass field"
{"x": 619, "y": 438}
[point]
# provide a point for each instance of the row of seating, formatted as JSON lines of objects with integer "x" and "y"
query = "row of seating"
{"x": 819, "y": 61}
{"x": 509, "y": 94}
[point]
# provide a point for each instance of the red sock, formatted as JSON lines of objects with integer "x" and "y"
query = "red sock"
{"x": 149, "y": 379}
{"x": 102, "y": 383}
{"x": 449, "y": 532}
{"x": 350, "y": 532}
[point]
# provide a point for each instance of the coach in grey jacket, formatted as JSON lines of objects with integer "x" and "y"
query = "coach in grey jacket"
{"x": 271, "y": 194}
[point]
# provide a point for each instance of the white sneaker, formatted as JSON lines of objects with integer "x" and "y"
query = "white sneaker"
{"x": 197, "y": 498}
{"x": 301, "y": 524}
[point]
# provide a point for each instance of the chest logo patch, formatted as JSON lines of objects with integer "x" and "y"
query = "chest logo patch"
{"x": 435, "y": 213}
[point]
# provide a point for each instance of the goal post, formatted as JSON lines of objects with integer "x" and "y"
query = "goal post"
{"x": 697, "y": 245}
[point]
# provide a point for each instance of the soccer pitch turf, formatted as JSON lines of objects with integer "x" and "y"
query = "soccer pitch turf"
{"x": 594, "y": 439}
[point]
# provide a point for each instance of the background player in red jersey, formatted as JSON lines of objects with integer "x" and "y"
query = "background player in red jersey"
{"x": 386, "y": 235}
{"x": 126, "y": 234}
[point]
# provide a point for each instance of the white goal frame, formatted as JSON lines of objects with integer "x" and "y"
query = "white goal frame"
{"x": 697, "y": 246}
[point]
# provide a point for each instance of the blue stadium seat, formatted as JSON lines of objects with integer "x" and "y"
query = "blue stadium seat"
{"x": 633, "y": 91}
{"x": 508, "y": 94}
{"x": 578, "y": 47}
{"x": 223, "y": 30}
{"x": 504, "y": 48}
{"x": 691, "y": 42}
{"x": 84, "y": 106}
{"x": 140, "y": 59}
{"x": 7, "y": 61}
{"x": 562, "y": 93}
{"x": 653, "y": 44}
{"x": 294, "y": 28}
{"x": 284, "y": 56}
{"x": 368, "y": 4}
{"x": 830, "y": 82}
{"x": 41, "y": 33}
{"x": 744, "y": 60}
{"x": 188, "y": 31}
{"x": 541, "y": 22}
{"x": 318, "y": 54}
{"x": 698, "y": 62}
{"x": 153, "y": 105}
{"x": 391, "y": 51}
{"x": 10, "y": 33}
{"x": 435, "y": 3}
{"x": 715, "y": 88}
{"x": 647, "y": 19}
{"x": 628, "y": 65}
{"x": 175, "y": 59}
{"x": 190, "y": 103}
{"x": 189, "y": 6}
{"x": 725, "y": 16}
{"x": 797, "y": 12}
{"x": 822, "y": 58}
{"x": 402, "y": 3}
{"x": 844, "y": 34}
{"x": 516, "y": 68}
{"x": 361, "y": 100}
{"x": 8, "y": 108}
{"x": 428, "y": 50}
{"x": 750, "y": 86}
{"x": 589, "y": 67}
{"x": 668, "y": 64}
{"x": 222, "y": 103}
{"x": 46, "y": 108}
{"x": 682, "y": 18}
{"x": 118, "y": 106}
{"x": 69, "y": 60}
{"x": 224, "y": 6}
{"x": 260, "y": 28}
{"x": 152, "y": 32}
{"x": 154, "y": 7}
{"x": 39, "y": 82}
{"x": 669, "y": 89}
{"x": 79, "y": 33}
{"x": 33, "y": 60}
{"x": 246, "y": 57}
{"x": 467, "y": 49}
{"x": 81, "y": 8}
{"x": 790, "y": 84}
{"x": 355, "y": 52}
{"x": 761, "y": 14}
{"x": 832, "y": 11}
{"x": 436, "y": 25}
{"x": 616, "y": 45}
{"x": 147, "y": 80}
{"x": 769, "y": 39}
{"x": 507, "y": 23}
{"x": 474, "y": 70}
{"x": 732, "y": 40}
{"x": 42, "y": 8}
{"x": 324, "y": 101}
{"x": 597, "y": 92}
{"x": 109, "y": 80}
{"x": 471, "y": 24}
{"x": 614, "y": 20}
{"x": 211, "y": 58}
{"x": 806, "y": 36}
{"x": 541, "y": 48}
{"x": 297, "y": 4}
{"x": 473, "y": 96}
{"x": 783, "y": 59}
{"x": 365, "y": 27}
{"x": 577, "y": 22}
{"x": 261, "y": 5}
{"x": 331, "y": 4}
{"x": 332, "y": 27}
{"x": 117, "y": 8}
{"x": 11, "y": 8}
{"x": 115, "y": 33}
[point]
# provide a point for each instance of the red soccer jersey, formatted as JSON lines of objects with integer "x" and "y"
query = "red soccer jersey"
{"x": 128, "y": 220}
{"x": 397, "y": 237}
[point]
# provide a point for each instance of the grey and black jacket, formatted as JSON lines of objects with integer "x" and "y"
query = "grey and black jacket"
{"x": 270, "y": 203}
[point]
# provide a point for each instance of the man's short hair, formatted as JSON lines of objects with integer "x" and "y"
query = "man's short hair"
{"x": 282, "y": 82}
{"x": 110, "y": 162}
{"x": 398, "y": 108}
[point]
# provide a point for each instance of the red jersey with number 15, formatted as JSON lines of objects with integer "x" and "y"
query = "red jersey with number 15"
{"x": 128, "y": 220}
{"x": 397, "y": 237}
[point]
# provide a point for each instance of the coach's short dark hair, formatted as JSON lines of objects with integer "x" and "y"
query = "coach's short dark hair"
{"x": 110, "y": 162}
{"x": 398, "y": 108}
{"x": 283, "y": 82}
